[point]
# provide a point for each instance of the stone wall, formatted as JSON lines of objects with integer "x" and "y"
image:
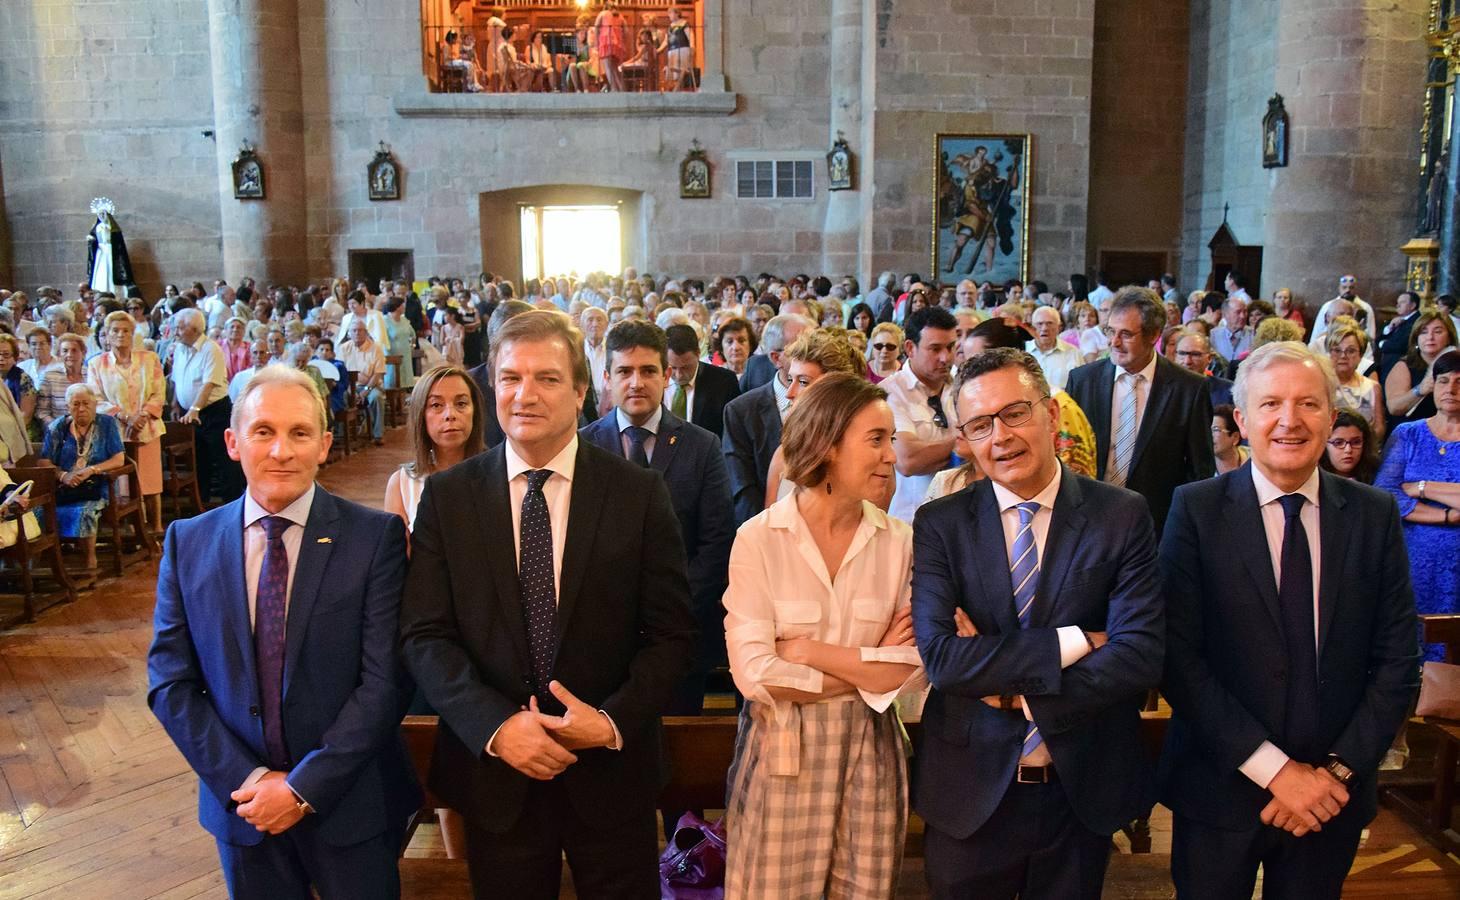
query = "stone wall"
{"x": 107, "y": 98}
{"x": 1138, "y": 127}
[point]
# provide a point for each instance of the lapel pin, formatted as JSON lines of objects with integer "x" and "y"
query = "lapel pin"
{"x": 324, "y": 540}
{"x": 672, "y": 439}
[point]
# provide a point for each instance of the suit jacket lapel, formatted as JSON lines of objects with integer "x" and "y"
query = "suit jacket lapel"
{"x": 1066, "y": 525}
{"x": 1248, "y": 538}
{"x": 320, "y": 534}
{"x": 1099, "y": 414}
{"x": 584, "y": 509}
{"x": 499, "y": 547}
{"x": 1333, "y": 539}
{"x": 993, "y": 569}
{"x": 234, "y": 612}
{"x": 770, "y": 417}
{"x": 1161, "y": 390}
{"x": 666, "y": 441}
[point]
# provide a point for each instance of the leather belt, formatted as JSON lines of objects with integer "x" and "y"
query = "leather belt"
{"x": 1035, "y": 775}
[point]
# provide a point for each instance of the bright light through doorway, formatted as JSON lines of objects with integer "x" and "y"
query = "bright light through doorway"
{"x": 562, "y": 240}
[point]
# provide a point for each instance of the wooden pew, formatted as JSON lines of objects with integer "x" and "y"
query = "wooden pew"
{"x": 1434, "y": 818}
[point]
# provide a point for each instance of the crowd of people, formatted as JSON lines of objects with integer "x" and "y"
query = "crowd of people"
{"x": 917, "y": 502}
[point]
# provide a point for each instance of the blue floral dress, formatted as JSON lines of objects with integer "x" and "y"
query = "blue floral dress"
{"x": 1415, "y": 454}
{"x": 78, "y": 508}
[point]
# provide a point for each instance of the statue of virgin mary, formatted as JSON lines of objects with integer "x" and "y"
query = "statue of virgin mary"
{"x": 108, "y": 268}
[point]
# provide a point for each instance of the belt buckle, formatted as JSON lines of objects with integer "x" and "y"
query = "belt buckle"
{"x": 1043, "y": 775}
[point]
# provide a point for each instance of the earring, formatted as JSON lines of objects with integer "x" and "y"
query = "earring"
{"x": 828, "y": 487}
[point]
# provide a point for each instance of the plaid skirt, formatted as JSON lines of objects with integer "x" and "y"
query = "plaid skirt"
{"x": 832, "y": 828}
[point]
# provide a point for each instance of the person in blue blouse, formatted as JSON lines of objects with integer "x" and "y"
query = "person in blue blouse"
{"x": 84, "y": 446}
{"x": 1421, "y": 469}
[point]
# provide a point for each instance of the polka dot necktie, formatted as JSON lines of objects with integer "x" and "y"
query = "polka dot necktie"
{"x": 268, "y": 638}
{"x": 536, "y": 582}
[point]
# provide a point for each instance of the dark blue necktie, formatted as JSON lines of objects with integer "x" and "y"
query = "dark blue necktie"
{"x": 637, "y": 437}
{"x": 536, "y": 582}
{"x": 1295, "y": 599}
{"x": 268, "y": 638}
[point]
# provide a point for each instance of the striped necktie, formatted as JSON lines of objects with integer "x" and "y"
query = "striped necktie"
{"x": 1024, "y": 574}
{"x": 1124, "y": 442}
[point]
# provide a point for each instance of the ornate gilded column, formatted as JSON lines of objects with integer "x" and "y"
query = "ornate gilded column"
{"x": 257, "y": 100}
{"x": 1433, "y": 256}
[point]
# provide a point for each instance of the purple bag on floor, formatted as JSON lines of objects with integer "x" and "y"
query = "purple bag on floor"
{"x": 692, "y": 866}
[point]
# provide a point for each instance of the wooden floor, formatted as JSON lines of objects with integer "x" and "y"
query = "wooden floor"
{"x": 96, "y": 803}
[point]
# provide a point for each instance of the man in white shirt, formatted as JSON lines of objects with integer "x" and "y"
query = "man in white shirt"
{"x": 363, "y": 356}
{"x": 1348, "y": 290}
{"x": 921, "y": 397}
{"x": 200, "y": 398}
{"x": 1236, "y": 285}
{"x": 1055, "y": 356}
{"x": 1100, "y": 297}
{"x": 374, "y": 319}
{"x": 595, "y": 325}
{"x": 258, "y": 357}
{"x": 1288, "y": 672}
{"x": 557, "y": 650}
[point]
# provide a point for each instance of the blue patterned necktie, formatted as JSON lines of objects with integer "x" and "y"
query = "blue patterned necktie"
{"x": 1124, "y": 442}
{"x": 268, "y": 638}
{"x": 1024, "y": 574}
{"x": 637, "y": 437}
{"x": 536, "y": 581}
{"x": 1295, "y": 600}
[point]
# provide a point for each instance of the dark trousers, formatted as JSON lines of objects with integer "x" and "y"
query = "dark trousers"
{"x": 616, "y": 862}
{"x": 1032, "y": 847}
{"x": 217, "y": 474}
{"x": 284, "y": 866}
{"x": 1209, "y": 863}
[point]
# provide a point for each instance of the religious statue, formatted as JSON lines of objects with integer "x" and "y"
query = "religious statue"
{"x": 108, "y": 267}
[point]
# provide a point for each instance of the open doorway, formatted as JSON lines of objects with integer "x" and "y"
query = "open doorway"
{"x": 370, "y": 266}
{"x": 571, "y": 240}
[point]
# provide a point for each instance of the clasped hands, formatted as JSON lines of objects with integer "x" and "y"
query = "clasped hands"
{"x": 965, "y": 628}
{"x": 268, "y": 804}
{"x": 540, "y": 746}
{"x": 1303, "y": 798}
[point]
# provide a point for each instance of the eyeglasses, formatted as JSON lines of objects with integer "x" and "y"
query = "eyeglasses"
{"x": 880, "y": 347}
{"x": 1125, "y": 336}
{"x": 1350, "y": 444}
{"x": 1015, "y": 414}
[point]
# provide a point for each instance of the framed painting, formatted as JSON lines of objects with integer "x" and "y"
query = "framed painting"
{"x": 248, "y": 175}
{"x": 382, "y": 175}
{"x": 694, "y": 174}
{"x": 981, "y": 207}
{"x": 1275, "y": 134}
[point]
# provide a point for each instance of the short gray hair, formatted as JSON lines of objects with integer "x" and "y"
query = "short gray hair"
{"x": 272, "y": 376}
{"x": 191, "y": 314}
{"x": 886, "y": 279}
{"x": 79, "y": 388}
{"x": 773, "y": 336}
{"x": 1184, "y": 333}
{"x": 1269, "y": 355}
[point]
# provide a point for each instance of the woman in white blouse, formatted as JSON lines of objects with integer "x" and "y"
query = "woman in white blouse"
{"x": 820, "y": 640}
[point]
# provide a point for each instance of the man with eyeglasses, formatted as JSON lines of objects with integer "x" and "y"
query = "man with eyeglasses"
{"x": 921, "y": 397}
{"x": 1194, "y": 354}
{"x": 1152, "y": 418}
{"x": 1030, "y": 756}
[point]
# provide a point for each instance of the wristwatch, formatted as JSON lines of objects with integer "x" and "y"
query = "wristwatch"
{"x": 1339, "y": 769}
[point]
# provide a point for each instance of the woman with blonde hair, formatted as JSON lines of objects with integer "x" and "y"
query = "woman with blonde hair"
{"x": 819, "y": 632}
{"x": 884, "y": 351}
{"x": 1346, "y": 344}
{"x": 132, "y": 389}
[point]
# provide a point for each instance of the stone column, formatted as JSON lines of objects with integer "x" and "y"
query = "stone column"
{"x": 842, "y": 227}
{"x": 256, "y": 98}
{"x": 7, "y": 277}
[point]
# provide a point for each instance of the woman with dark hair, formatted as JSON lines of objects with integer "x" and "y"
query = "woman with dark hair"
{"x": 1353, "y": 451}
{"x": 861, "y": 318}
{"x": 1227, "y": 440}
{"x": 735, "y": 341}
{"x": 820, "y": 641}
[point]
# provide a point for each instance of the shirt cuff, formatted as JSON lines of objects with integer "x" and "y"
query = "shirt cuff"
{"x": 1073, "y": 645}
{"x": 1028, "y": 716}
{"x": 1263, "y": 765}
{"x": 488, "y": 748}
{"x": 618, "y": 739}
{"x": 253, "y": 777}
{"x": 308, "y": 807}
{"x": 907, "y": 656}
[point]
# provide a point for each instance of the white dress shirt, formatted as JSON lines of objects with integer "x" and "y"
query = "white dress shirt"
{"x": 1073, "y": 646}
{"x": 1123, "y": 392}
{"x": 365, "y": 362}
{"x": 1267, "y": 759}
{"x": 652, "y": 426}
{"x": 908, "y": 397}
{"x": 1057, "y": 361}
{"x": 196, "y": 365}
{"x": 597, "y": 366}
{"x": 779, "y": 589}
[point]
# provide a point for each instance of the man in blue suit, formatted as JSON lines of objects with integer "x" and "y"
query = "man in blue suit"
{"x": 640, "y": 429}
{"x": 1292, "y": 649}
{"x": 275, "y": 668}
{"x": 1037, "y": 608}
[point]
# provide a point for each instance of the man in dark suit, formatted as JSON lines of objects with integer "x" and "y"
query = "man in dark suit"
{"x": 700, "y": 391}
{"x": 274, "y": 667}
{"x": 547, "y": 619}
{"x": 1194, "y": 354}
{"x": 1030, "y": 757}
{"x": 1292, "y": 649}
{"x": 753, "y": 422}
{"x": 1394, "y": 342}
{"x": 492, "y": 433}
{"x": 1152, "y": 418}
{"x": 779, "y": 333}
{"x": 640, "y": 429}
